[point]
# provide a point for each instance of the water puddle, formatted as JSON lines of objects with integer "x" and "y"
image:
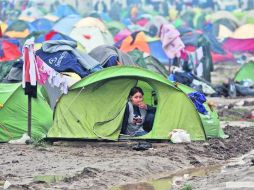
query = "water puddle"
{"x": 48, "y": 178}
{"x": 174, "y": 179}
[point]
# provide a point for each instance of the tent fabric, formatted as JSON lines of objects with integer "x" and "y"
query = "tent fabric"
{"x": 244, "y": 32}
{"x": 91, "y": 22}
{"x": 245, "y": 72}
{"x": 5, "y": 68}
{"x": 216, "y": 57}
{"x": 18, "y": 26}
{"x": 51, "y": 17}
{"x": 222, "y": 15}
{"x": 15, "y": 103}
{"x": 62, "y": 27}
{"x": 18, "y": 29}
{"x": 79, "y": 113}
{"x": 52, "y": 35}
{"x": 224, "y": 32}
{"x": 3, "y": 26}
{"x": 63, "y": 10}
{"x": 136, "y": 40}
{"x": 148, "y": 62}
{"x": 114, "y": 27}
{"x": 104, "y": 53}
{"x": 91, "y": 37}
{"x": 121, "y": 35}
{"x": 26, "y": 18}
{"x": 158, "y": 52}
{"x": 32, "y": 12}
{"x": 16, "y": 34}
{"x": 239, "y": 45}
{"x": 42, "y": 24}
{"x": 9, "y": 51}
{"x": 211, "y": 122}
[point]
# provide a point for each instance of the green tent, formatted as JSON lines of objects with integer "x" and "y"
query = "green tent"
{"x": 94, "y": 107}
{"x": 13, "y": 113}
{"x": 148, "y": 62}
{"x": 114, "y": 27}
{"x": 245, "y": 72}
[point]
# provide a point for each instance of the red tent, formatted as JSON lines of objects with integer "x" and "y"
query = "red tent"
{"x": 8, "y": 51}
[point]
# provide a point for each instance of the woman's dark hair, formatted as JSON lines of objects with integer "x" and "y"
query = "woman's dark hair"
{"x": 136, "y": 89}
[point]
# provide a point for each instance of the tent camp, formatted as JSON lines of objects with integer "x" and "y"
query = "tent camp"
{"x": 245, "y": 72}
{"x": 94, "y": 107}
{"x": 13, "y": 113}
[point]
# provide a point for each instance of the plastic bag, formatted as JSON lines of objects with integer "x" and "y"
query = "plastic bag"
{"x": 179, "y": 136}
{"x": 22, "y": 140}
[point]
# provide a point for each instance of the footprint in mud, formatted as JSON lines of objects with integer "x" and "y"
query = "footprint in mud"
{"x": 194, "y": 161}
{"x": 86, "y": 172}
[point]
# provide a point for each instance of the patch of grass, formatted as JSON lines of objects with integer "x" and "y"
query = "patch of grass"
{"x": 186, "y": 186}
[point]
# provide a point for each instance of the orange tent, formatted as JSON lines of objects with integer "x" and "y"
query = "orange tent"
{"x": 136, "y": 40}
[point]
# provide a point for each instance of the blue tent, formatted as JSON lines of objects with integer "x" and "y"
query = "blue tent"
{"x": 157, "y": 51}
{"x": 42, "y": 24}
{"x": 65, "y": 10}
{"x": 66, "y": 24}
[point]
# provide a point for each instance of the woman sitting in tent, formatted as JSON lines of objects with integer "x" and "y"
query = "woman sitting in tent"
{"x": 138, "y": 117}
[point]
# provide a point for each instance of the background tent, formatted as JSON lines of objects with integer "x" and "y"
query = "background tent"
{"x": 94, "y": 107}
{"x": 9, "y": 49}
{"x": 51, "y": 35}
{"x": 64, "y": 28}
{"x": 246, "y": 72}
{"x": 239, "y": 45}
{"x": 63, "y": 10}
{"x": 91, "y": 33}
{"x": 148, "y": 62}
{"x": 19, "y": 29}
{"x": 222, "y": 15}
{"x": 32, "y": 12}
{"x": 42, "y": 24}
{"x": 244, "y": 32}
{"x": 14, "y": 105}
{"x": 114, "y": 27}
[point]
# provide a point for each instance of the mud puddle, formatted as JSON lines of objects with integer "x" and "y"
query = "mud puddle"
{"x": 174, "y": 180}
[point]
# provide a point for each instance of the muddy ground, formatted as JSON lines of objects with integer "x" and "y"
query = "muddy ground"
{"x": 103, "y": 165}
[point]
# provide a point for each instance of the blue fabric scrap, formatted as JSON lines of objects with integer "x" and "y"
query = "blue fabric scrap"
{"x": 198, "y": 99}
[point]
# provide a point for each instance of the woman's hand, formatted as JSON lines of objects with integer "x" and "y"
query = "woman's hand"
{"x": 142, "y": 105}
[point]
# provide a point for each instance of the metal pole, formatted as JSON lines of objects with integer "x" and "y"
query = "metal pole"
{"x": 29, "y": 127}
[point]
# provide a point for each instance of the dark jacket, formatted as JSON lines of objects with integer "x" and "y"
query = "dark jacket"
{"x": 150, "y": 113}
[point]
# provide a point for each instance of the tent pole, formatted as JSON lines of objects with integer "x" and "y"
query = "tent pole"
{"x": 29, "y": 129}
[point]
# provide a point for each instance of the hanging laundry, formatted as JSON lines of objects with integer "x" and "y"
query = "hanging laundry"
{"x": 30, "y": 69}
{"x": 200, "y": 53}
{"x": 54, "y": 78}
{"x": 171, "y": 41}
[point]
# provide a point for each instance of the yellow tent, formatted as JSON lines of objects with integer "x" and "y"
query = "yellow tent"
{"x": 51, "y": 17}
{"x": 17, "y": 34}
{"x": 244, "y": 32}
{"x": 3, "y": 26}
{"x": 91, "y": 22}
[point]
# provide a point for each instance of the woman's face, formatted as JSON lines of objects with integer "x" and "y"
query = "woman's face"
{"x": 136, "y": 98}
